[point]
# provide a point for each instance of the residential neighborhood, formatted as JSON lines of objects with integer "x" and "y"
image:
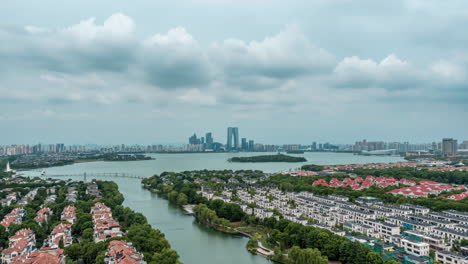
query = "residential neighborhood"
{"x": 412, "y": 229}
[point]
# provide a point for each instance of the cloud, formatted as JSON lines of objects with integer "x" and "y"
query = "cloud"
{"x": 195, "y": 96}
{"x": 267, "y": 63}
{"x": 175, "y": 60}
{"x": 118, "y": 27}
{"x": 391, "y": 73}
{"x": 108, "y": 63}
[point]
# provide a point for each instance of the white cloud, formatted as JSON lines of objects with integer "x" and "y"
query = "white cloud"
{"x": 287, "y": 55}
{"x": 117, "y": 26}
{"x": 390, "y": 73}
{"x": 449, "y": 70}
{"x": 195, "y": 96}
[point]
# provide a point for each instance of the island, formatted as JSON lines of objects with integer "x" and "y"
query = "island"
{"x": 45, "y": 160}
{"x": 295, "y": 152}
{"x": 126, "y": 157}
{"x": 268, "y": 158}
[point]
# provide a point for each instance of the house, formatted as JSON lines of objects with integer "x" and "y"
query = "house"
{"x": 120, "y": 251}
{"x": 448, "y": 257}
{"x": 69, "y": 214}
{"x": 41, "y": 257}
{"x": 43, "y": 215}
{"x": 22, "y": 243}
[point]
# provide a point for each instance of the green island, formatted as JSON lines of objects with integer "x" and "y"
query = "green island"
{"x": 43, "y": 205}
{"x": 268, "y": 158}
{"x": 219, "y": 199}
{"x": 45, "y": 161}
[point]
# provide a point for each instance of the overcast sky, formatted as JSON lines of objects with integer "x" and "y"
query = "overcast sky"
{"x": 146, "y": 71}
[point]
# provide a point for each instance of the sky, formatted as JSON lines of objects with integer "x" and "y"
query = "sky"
{"x": 146, "y": 71}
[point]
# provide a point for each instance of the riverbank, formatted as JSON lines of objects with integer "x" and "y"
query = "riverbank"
{"x": 254, "y": 233}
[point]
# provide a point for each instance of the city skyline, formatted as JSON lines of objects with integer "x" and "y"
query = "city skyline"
{"x": 115, "y": 72}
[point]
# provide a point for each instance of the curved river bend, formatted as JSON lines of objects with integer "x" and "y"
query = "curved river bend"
{"x": 194, "y": 242}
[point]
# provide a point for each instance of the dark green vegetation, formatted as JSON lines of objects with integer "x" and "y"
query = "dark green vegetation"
{"x": 40, "y": 164}
{"x": 295, "y": 152}
{"x": 312, "y": 167}
{"x": 44, "y": 160}
{"x": 268, "y": 158}
{"x": 303, "y": 244}
{"x": 124, "y": 157}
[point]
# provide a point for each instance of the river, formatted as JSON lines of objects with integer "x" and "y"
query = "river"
{"x": 194, "y": 242}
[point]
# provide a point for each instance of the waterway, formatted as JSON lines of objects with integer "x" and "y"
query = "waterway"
{"x": 194, "y": 242}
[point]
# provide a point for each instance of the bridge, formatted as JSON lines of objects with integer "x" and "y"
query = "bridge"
{"x": 94, "y": 175}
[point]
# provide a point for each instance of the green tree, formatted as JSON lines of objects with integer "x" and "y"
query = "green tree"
{"x": 373, "y": 258}
{"x": 182, "y": 199}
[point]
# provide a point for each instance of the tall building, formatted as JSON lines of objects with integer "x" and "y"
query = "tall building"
{"x": 251, "y": 145}
{"x": 464, "y": 145}
{"x": 194, "y": 140}
{"x": 244, "y": 144}
{"x": 449, "y": 146}
{"x": 232, "y": 138}
{"x": 209, "y": 140}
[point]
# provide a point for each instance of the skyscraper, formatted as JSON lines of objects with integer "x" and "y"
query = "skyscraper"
{"x": 193, "y": 139}
{"x": 209, "y": 140}
{"x": 232, "y": 138}
{"x": 449, "y": 146}
{"x": 251, "y": 145}
{"x": 244, "y": 144}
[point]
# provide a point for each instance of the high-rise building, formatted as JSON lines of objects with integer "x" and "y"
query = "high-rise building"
{"x": 251, "y": 145}
{"x": 244, "y": 144}
{"x": 193, "y": 139}
{"x": 449, "y": 146}
{"x": 232, "y": 138}
{"x": 463, "y": 145}
{"x": 313, "y": 146}
{"x": 59, "y": 147}
{"x": 209, "y": 140}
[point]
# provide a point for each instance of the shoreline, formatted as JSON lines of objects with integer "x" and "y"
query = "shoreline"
{"x": 261, "y": 250}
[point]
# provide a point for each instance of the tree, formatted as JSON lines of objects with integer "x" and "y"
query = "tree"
{"x": 172, "y": 196}
{"x": 182, "y": 199}
{"x": 88, "y": 234}
{"x": 373, "y": 258}
{"x": 166, "y": 256}
{"x": 307, "y": 256}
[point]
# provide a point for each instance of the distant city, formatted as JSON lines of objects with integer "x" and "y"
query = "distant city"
{"x": 446, "y": 147}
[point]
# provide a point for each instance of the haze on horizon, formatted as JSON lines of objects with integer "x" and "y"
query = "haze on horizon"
{"x": 114, "y": 71}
